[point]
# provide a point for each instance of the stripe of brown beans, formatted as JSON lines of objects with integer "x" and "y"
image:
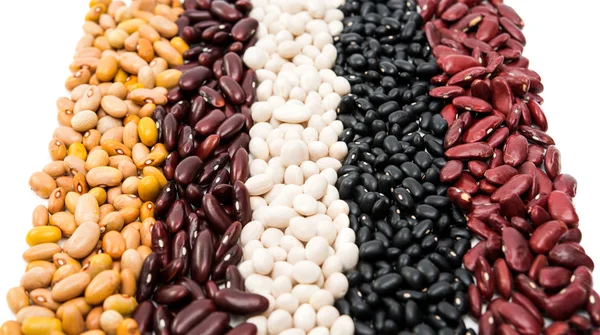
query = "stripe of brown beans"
{"x": 202, "y": 209}
{"x": 104, "y": 176}
{"x": 506, "y": 176}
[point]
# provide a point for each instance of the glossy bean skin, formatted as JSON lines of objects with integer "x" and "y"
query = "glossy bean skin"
{"x": 202, "y": 257}
{"x": 214, "y": 324}
{"x": 191, "y": 315}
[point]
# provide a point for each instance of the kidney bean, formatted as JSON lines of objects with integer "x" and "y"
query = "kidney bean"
{"x": 215, "y": 324}
{"x": 523, "y": 301}
{"x": 482, "y": 128}
{"x": 171, "y": 271}
{"x": 546, "y": 236}
{"x": 239, "y": 302}
{"x": 216, "y": 215}
{"x": 485, "y": 278}
{"x": 212, "y": 166}
{"x": 570, "y": 257}
{"x": 520, "y": 318}
{"x": 162, "y": 321}
{"x": 561, "y": 208}
{"x": 161, "y": 243}
{"x": 148, "y": 277}
{"x": 232, "y": 256}
{"x": 202, "y": 257}
{"x": 554, "y": 278}
{"x": 191, "y": 315}
{"x": 233, "y": 278}
{"x": 531, "y": 290}
{"x": 503, "y": 278}
{"x": 564, "y": 304}
{"x": 516, "y": 250}
{"x": 143, "y": 316}
{"x": 228, "y": 239}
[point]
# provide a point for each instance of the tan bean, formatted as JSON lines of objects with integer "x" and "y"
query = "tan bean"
{"x": 82, "y": 76}
{"x": 96, "y": 158}
{"x": 130, "y": 25}
{"x": 62, "y": 273}
{"x": 127, "y": 200}
{"x": 79, "y": 92}
{"x": 56, "y": 201}
{"x": 116, "y": 266}
{"x": 116, "y": 38}
{"x": 40, "y": 216}
{"x": 64, "y": 221}
{"x": 108, "y": 122}
{"x": 91, "y": 139}
{"x": 80, "y": 185}
{"x": 139, "y": 150}
{"x": 147, "y": 110}
{"x": 145, "y": 50}
{"x": 10, "y": 328}
{"x": 96, "y": 264}
{"x": 113, "y": 244}
{"x": 148, "y": 32}
{"x": 109, "y": 321}
{"x": 118, "y": 90}
{"x": 32, "y": 311}
{"x": 112, "y": 222}
{"x": 83, "y": 241}
{"x": 71, "y": 199}
{"x": 142, "y": 96}
{"x": 42, "y": 264}
{"x": 100, "y": 194}
{"x": 67, "y": 135}
{"x": 74, "y": 164}
{"x": 130, "y": 135}
{"x": 55, "y": 169}
{"x": 65, "y": 182}
{"x": 144, "y": 251}
{"x": 17, "y": 298}
{"x": 168, "y": 78}
{"x": 104, "y": 87}
{"x": 42, "y": 251}
{"x": 154, "y": 158}
{"x": 72, "y": 320}
{"x": 122, "y": 303}
{"x": 130, "y": 214}
{"x": 63, "y": 259}
{"x": 84, "y": 120}
{"x": 64, "y": 104}
{"x": 43, "y": 297}
{"x": 80, "y": 303}
{"x": 107, "y": 68}
{"x": 130, "y": 185}
{"x": 132, "y": 260}
{"x": 104, "y": 176}
{"x": 115, "y": 134}
{"x": 71, "y": 287}
{"x": 164, "y": 26}
{"x": 36, "y": 278}
{"x": 146, "y": 16}
{"x": 87, "y": 209}
{"x": 91, "y": 98}
{"x": 102, "y": 286}
{"x": 106, "y": 21}
{"x": 131, "y": 62}
{"x": 92, "y": 28}
{"x": 92, "y": 321}
{"x": 146, "y": 77}
{"x": 159, "y": 65}
{"x": 106, "y": 208}
{"x": 128, "y": 327}
{"x": 42, "y": 184}
{"x": 132, "y": 236}
{"x": 128, "y": 284}
{"x": 146, "y": 231}
{"x": 114, "y": 106}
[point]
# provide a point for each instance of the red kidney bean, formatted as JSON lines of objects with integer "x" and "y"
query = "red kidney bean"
{"x": 471, "y": 257}
{"x": 572, "y": 235}
{"x": 570, "y": 257}
{"x": 516, "y": 250}
{"x": 243, "y": 329}
{"x": 161, "y": 243}
{"x": 501, "y": 174}
{"x": 215, "y": 324}
{"x": 505, "y": 329}
{"x": 166, "y": 197}
{"x": 195, "y": 290}
{"x": 564, "y": 304}
{"x": 482, "y": 128}
{"x": 580, "y": 323}
{"x": 557, "y": 328}
{"x": 554, "y": 278}
{"x": 212, "y": 166}
{"x": 520, "y": 318}
{"x": 535, "y": 154}
{"x": 566, "y": 184}
{"x": 593, "y": 307}
{"x": 229, "y": 238}
{"x": 233, "y": 278}
{"x": 455, "y": 12}
{"x": 515, "y": 150}
{"x": 561, "y": 208}
{"x": 209, "y": 123}
{"x": 185, "y": 142}
{"x": 517, "y": 185}
{"x": 477, "y": 168}
{"x": 522, "y": 300}
{"x": 216, "y": 215}
{"x": 232, "y": 256}
{"x": 522, "y": 225}
{"x": 468, "y": 21}
{"x": 232, "y": 90}
{"x": 531, "y": 290}
{"x": 170, "y": 294}
{"x": 469, "y": 151}
{"x": 191, "y": 315}
{"x": 202, "y": 257}
{"x": 143, "y": 315}
{"x": 148, "y": 277}
{"x": 194, "y": 78}
{"x": 485, "y": 278}
{"x": 240, "y": 302}
{"x": 583, "y": 276}
{"x": 211, "y": 288}
{"x": 453, "y": 64}
{"x": 546, "y": 236}
{"x": 487, "y": 324}
{"x": 488, "y": 28}
{"x": 552, "y": 162}
{"x": 480, "y": 228}
{"x": 171, "y": 271}
{"x": 472, "y": 104}
{"x": 181, "y": 249}
{"x": 475, "y": 303}
{"x": 162, "y": 321}
{"x": 511, "y": 206}
{"x": 176, "y": 216}
{"x": 244, "y": 29}
{"x": 539, "y": 215}
{"x": 496, "y": 159}
{"x": 503, "y": 278}
{"x": 188, "y": 170}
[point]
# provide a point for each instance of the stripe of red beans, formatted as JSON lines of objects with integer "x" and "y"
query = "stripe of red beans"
{"x": 506, "y": 175}
{"x": 201, "y": 211}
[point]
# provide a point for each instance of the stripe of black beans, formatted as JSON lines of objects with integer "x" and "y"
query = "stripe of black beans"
{"x": 201, "y": 211}
{"x": 506, "y": 176}
{"x": 411, "y": 239}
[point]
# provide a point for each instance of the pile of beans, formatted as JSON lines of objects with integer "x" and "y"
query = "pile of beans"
{"x": 103, "y": 177}
{"x": 205, "y": 203}
{"x": 506, "y": 176}
{"x": 411, "y": 240}
{"x": 299, "y": 241}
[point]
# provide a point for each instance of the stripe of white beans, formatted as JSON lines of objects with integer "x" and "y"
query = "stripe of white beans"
{"x": 299, "y": 242}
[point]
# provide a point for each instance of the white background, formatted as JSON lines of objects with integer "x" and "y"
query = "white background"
{"x": 37, "y": 41}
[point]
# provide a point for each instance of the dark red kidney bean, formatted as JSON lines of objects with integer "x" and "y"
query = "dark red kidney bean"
{"x": 524, "y": 302}
{"x": 228, "y": 239}
{"x": 232, "y": 64}
{"x": 194, "y": 78}
{"x": 477, "y": 168}
{"x": 231, "y": 126}
{"x": 467, "y": 118}
{"x": 546, "y": 236}
{"x": 517, "y": 185}
{"x": 166, "y": 197}
{"x": 203, "y": 4}
{"x": 572, "y": 235}
{"x": 211, "y": 96}
{"x": 216, "y": 215}
{"x": 467, "y": 183}
{"x": 239, "y": 169}
{"x": 515, "y": 150}
{"x": 207, "y": 147}
{"x": 466, "y": 77}
{"x": 148, "y": 277}
{"x": 531, "y": 290}
{"x": 472, "y": 104}
{"x": 539, "y": 263}
{"x": 564, "y": 304}
{"x": 512, "y": 29}
{"x": 537, "y": 115}
{"x": 475, "y": 303}
{"x": 460, "y": 198}
{"x": 483, "y": 212}
{"x": 455, "y": 12}
{"x": 565, "y": 183}
{"x": 170, "y": 294}
{"x": 516, "y": 250}
{"x": 487, "y": 187}
{"x": 244, "y": 6}
{"x": 509, "y": 13}
{"x": 502, "y": 95}
{"x": 487, "y": 325}
{"x": 181, "y": 249}
{"x": 210, "y": 287}
{"x": 185, "y": 142}
{"x": 554, "y": 278}
{"x": 188, "y": 170}
{"x": 454, "y": 134}
{"x": 241, "y": 140}
{"x": 171, "y": 272}
{"x": 212, "y": 166}
{"x": 169, "y": 131}
{"x": 239, "y": 302}
{"x": 520, "y": 318}
{"x": 180, "y": 110}
{"x": 222, "y": 192}
{"x": 162, "y": 321}
{"x": 514, "y": 117}
{"x": 221, "y": 178}
{"x": 494, "y": 307}
{"x": 501, "y": 174}
{"x": 558, "y": 328}
{"x": 249, "y": 86}
{"x": 453, "y": 64}
{"x": 222, "y": 36}
{"x": 538, "y": 216}
{"x": 499, "y": 41}
{"x": 485, "y": 278}
{"x": 544, "y": 183}
{"x": 561, "y": 208}
{"x": 234, "y": 279}
{"x": 195, "y": 290}
{"x": 583, "y": 276}
{"x": 593, "y": 307}
{"x": 480, "y": 228}
{"x": 225, "y": 11}
{"x": 451, "y": 171}
{"x": 449, "y": 114}
{"x": 580, "y": 323}
{"x": 493, "y": 247}
{"x": 503, "y": 278}
{"x": 540, "y": 200}
{"x": 511, "y": 206}
{"x": 161, "y": 244}
{"x": 232, "y": 256}
{"x": 176, "y": 216}
{"x": 473, "y": 43}
{"x": 496, "y": 159}
{"x": 454, "y": 45}
{"x": 194, "y": 194}
{"x": 217, "y": 68}
{"x": 215, "y": 324}
{"x": 232, "y": 90}
{"x": 244, "y": 29}
{"x": 207, "y": 58}
{"x": 197, "y": 110}
{"x": 170, "y": 165}
{"x": 482, "y": 128}
{"x": 488, "y": 28}
{"x": 552, "y": 162}
{"x": 446, "y": 92}
{"x": 202, "y": 257}
{"x": 520, "y": 224}
{"x": 469, "y": 151}
{"x": 536, "y": 135}
{"x": 468, "y": 21}
{"x": 241, "y": 202}
{"x": 243, "y": 329}
{"x": 570, "y": 257}
{"x": 191, "y": 315}
{"x": 143, "y": 315}
{"x": 530, "y": 169}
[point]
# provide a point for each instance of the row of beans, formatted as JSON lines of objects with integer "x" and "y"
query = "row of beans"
{"x": 506, "y": 176}
{"x": 313, "y": 167}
